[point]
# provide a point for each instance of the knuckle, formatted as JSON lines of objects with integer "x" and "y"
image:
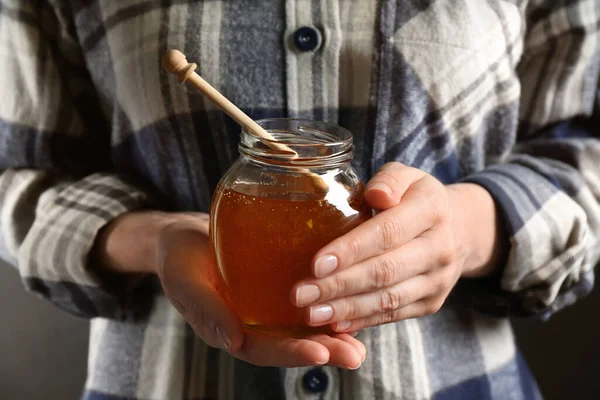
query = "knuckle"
{"x": 388, "y": 232}
{"x": 437, "y": 284}
{"x": 450, "y": 276}
{"x": 433, "y": 305}
{"x": 432, "y": 201}
{"x": 441, "y": 285}
{"x": 447, "y": 254}
{"x": 389, "y": 300}
{"x": 385, "y": 318}
{"x": 402, "y": 314}
{"x": 346, "y": 310}
{"x": 436, "y": 211}
{"x": 354, "y": 248}
{"x": 447, "y": 281}
{"x": 338, "y": 286}
{"x": 383, "y": 273}
{"x": 435, "y": 206}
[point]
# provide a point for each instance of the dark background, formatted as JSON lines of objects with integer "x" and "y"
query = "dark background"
{"x": 43, "y": 351}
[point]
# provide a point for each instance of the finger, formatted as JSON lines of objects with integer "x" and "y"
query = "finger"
{"x": 185, "y": 281}
{"x": 385, "y": 231}
{"x": 414, "y": 258}
{"x": 386, "y": 188}
{"x": 208, "y": 315}
{"x": 351, "y": 339}
{"x": 341, "y": 353}
{"x": 372, "y": 303}
{"x": 266, "y": 351}
{"x": 413, "y": 310}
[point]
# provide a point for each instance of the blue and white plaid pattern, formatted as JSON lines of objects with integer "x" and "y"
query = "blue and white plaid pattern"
{"x": 500, "y": 93}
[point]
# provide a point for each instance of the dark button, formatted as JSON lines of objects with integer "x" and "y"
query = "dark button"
{"x": 315, "y": 380}
{"x": 307, "y": 38}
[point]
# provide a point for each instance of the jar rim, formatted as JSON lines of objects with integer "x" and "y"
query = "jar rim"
{"x": 314, "y": 143}
{"x": 308, "y": 124}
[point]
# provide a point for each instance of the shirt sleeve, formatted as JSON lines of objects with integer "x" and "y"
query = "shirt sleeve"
{"x": 56, "y": 187}
{"x": 548, "y": 189}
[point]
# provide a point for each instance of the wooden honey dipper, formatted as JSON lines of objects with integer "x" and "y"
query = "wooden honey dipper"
{"x": 175, "y": 62}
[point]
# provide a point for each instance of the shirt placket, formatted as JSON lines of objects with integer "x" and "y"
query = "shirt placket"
{"x": 313, "y": 42}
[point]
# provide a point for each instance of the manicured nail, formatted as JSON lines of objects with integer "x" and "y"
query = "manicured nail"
{"x": 380, "y": 186}
{"x": 307, "y": 294}
{"x": 225, "y": 341}
{"x": 343, "y": 325}
{"x": 320, "y": 314}
{"x": 359, "y": 365}
{"x": 325, "y": 265}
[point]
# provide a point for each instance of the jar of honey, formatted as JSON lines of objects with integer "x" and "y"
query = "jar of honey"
{"x": 273, "y": 211}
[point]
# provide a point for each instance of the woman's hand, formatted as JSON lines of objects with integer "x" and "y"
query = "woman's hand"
{"x": 176, "y": 247}
{"x": 404, "y": 261}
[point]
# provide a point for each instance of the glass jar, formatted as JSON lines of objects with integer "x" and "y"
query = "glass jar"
{"x": 273, "y": 211}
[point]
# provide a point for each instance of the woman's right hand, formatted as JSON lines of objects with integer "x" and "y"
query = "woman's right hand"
{"x": 176, "y": 247}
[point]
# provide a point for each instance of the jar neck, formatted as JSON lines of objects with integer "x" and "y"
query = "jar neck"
{"x": 313, "y": 144}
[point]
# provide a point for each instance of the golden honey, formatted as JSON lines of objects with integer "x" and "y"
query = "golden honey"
{"x": 264, "y": 241}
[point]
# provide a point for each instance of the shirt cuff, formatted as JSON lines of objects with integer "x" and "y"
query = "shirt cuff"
{"x": 546, "y": 267}
{"x": 53, "y": 259}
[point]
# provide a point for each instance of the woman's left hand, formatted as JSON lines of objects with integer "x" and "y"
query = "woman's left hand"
{"x": 404, "y": 262}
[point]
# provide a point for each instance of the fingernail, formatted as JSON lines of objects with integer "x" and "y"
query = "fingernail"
{"x": 380, "y": 186}
{"x": 325, "y": 265}
{"x": 343, "y": 325}
{"x": 225, "y": 341}
{"x": 307, "y": 294}
{"x": 320, "y": 314}
{"x": 359, "y": 365}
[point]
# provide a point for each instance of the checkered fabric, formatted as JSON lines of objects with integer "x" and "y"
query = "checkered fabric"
{"x": 499, "y": 93}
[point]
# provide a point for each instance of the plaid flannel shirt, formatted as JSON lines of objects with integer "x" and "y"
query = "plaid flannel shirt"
{"x": 500, "y": 93}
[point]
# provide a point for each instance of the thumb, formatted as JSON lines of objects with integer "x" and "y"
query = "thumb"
{"x": 185, "y": 263}
{"x": 208, "y": 314}
{"x": 380, "y": 197}
{"x": 386, "y": 188}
